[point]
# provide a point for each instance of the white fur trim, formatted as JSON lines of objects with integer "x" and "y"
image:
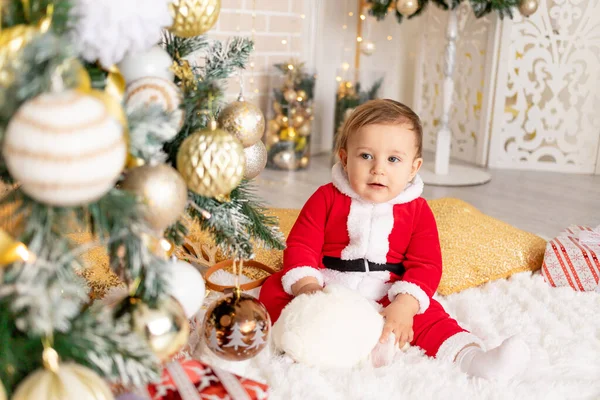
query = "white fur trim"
{"x": 412, "y": 289}
{"x": 297, "y": 273}
{"x": 382, "y": 223}
{"x": 371, "y": 285}
{"x": 369, "y": 228}
{"x": 412, "y": 191}
{"x": 455, "y": 343}
{"x": 359, "y": 230}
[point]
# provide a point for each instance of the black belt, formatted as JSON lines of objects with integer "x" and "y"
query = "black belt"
{"x": 359, "y": 265}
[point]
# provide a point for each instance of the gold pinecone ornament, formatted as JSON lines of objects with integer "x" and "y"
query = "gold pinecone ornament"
{"x": 211, "y": 161}
{"x": 193, "y": 17}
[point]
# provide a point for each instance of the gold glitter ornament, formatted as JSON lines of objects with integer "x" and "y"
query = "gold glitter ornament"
{"x": 290, "y": 95}
{"x": 477, "y": 248}
{"x": 163, "y": 191}
{"x": 236, "y": 327}
{"x": 68, "y": 381}
{"x": 2, "y": 392}
{"x": 211, "y": 161}
{"x": 528, "y": 7}
{"x": 407, "y": 7}
{"x": 13, "y": 40}
{"x": 193, "y": 17}
{"x": 243, "y": 120}
{"x": 256, "y": 159}
{"x": 165, "y": 328}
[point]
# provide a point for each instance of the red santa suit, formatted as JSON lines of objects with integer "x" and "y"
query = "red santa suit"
{"x": 380, "y": 250}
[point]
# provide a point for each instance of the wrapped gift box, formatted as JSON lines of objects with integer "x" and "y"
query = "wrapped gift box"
{"x": 194, "y": 380}
{"x": 572, "y": 259}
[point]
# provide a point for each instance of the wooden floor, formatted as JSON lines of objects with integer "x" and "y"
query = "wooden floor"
{"x": 540, "y": 202}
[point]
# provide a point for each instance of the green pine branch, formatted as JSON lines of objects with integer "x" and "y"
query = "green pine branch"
{"x": 14, "y": 13}
{"x": 505, "y": 8}
{"x": 235, "y": 223}
{"x": 96, "y": 340}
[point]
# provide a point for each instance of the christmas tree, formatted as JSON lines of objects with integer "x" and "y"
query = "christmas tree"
{"x": 108, "y": 138}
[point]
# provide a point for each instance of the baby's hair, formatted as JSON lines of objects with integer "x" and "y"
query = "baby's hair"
{"x": 380, "y": 111}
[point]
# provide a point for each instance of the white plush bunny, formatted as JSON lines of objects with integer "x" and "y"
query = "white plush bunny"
{"x": 335, "y": 328}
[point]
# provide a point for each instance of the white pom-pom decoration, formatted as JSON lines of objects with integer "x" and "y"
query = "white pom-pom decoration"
{"x": 151, "y": 90}
{"x": 106, "y": 30}
{"x": 186, "y": 286}
{"x": 64, "y": 148}
{"x": 335, "y": 328}
{"x": 154, "y": 62}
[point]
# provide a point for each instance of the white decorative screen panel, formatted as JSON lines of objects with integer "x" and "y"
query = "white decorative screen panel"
{"x": 547, "y": 102}
{"x": 469, "y": 79}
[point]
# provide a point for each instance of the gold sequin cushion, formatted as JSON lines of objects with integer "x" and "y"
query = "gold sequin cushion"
{"x": 476, "y": 248}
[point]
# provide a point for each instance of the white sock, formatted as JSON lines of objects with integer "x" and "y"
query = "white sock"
{"x": 501, "y": 363}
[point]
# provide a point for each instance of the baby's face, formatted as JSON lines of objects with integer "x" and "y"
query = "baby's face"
{"x": 380, "y": 160}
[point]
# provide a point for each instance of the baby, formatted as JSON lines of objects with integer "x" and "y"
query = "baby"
{"x": 371, "y": 231}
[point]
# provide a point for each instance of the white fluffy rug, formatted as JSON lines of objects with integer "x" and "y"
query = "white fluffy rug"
{"x": 561, "y": 326}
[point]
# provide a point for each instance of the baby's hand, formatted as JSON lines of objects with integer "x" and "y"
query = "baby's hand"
{"x": 309, "y": 289}
{"x": 399, "y": 317}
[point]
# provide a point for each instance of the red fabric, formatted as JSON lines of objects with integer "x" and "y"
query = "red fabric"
{"x": 205, "y": 381}
{"x": 321, "y": 230}
{"x": 431, "y": 328}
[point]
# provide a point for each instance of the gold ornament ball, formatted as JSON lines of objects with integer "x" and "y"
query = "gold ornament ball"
{"x": 243, "y": 120}
{"x": 407, "y": 7}
{"x": 236, "y": 327}
{"x": 287, "y": 134}
{"x": 308, "y": 111}
{"x": 290, "y": 95}
{"x": 528, "y": 7}
{"x": 277, "y": 107}
{"x": 163, "y": 191}
{"x": 304, "y": 130}
{"x": 68, "y": 381}
{"x": 12, "y": 41}
{"x": 285, "y": 159}
{"x": 367, "y": 47}
{"x": 301, "y": 95}
{"x": 273, "y": 126}
{"x": 193, "y": 17}
{"x": 271, "y": 140}
{"x": 256, "y": 159}
{"x": 2, "y": 392}
{"x": 211, "y": 162}
{"x": 304, "y": 162}
{"x": 298, "y": 120}
{"x": 165, "y": 328}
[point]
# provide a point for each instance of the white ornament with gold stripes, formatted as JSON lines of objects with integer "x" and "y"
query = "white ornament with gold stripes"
{"x": 155, "y": 90}
{"x": 65, "y": 149}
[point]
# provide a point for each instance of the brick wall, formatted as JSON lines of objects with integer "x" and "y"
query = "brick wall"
{"x": 278, "y": 36}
